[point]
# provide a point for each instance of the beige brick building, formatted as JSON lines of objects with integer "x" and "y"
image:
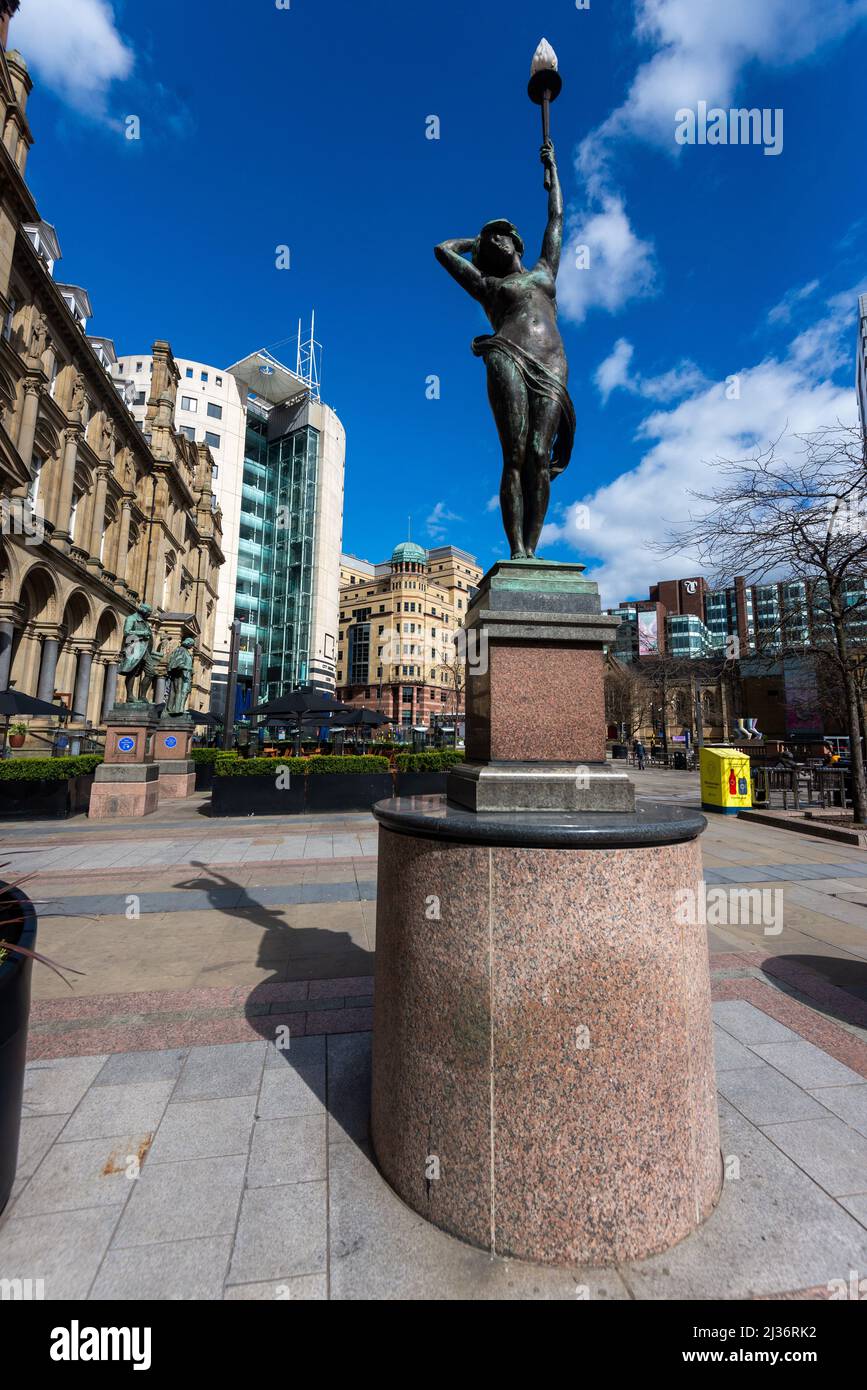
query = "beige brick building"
{"x": 98, "y": 513}
{"x": 398, "y": 623}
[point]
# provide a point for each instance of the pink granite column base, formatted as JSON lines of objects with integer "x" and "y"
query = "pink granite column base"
{"x": 109, "y": 800}
{"x": 543, "y": 1078}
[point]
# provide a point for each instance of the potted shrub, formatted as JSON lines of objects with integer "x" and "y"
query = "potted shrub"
{"x": 17, "y": 735}
{"x": 17, "y": 929}
{"x": 17, "y": 954}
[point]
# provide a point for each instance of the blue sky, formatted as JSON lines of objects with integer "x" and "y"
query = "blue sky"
{"x": 263, "y": 126}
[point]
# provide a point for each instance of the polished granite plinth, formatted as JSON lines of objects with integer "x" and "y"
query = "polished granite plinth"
{"x": 535, "y": 694}
{"x": 543, "y": 1076}
{"x": 129, "y": 789}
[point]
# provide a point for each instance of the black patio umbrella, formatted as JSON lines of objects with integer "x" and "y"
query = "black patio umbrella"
{"x": 14, "y": 702}
{"x": 360, "y": 718}
{"x": 299, "y": 702}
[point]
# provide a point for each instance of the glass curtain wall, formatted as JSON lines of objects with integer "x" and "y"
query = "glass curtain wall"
{"x": 291, "y": 482}
{"x": 255, "y": 547}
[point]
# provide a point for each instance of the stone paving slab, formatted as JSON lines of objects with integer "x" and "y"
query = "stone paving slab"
{"x": 258, "y": 1183}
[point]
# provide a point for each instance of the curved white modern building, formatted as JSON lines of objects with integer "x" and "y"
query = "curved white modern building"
{"x": 279, "y": 457}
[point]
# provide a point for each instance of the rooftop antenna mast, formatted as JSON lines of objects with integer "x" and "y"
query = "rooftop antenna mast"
{"x": 309, "y": 361}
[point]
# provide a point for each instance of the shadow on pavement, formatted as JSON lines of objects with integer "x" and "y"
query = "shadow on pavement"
{"x": 343, "y": 1086}
{"x": 811, "y": 976}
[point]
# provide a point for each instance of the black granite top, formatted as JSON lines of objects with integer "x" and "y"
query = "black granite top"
{"x": 435, "y": 818}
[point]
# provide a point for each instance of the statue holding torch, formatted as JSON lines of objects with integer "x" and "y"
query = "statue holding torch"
{"x": 524, "y": 356}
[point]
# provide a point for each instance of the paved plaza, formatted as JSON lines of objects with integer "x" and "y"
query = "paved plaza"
{"x": 195, "y": 1119}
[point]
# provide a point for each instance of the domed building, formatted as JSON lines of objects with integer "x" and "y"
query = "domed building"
{"x": 398, "y": 622}
{"x": 409, "y": 554}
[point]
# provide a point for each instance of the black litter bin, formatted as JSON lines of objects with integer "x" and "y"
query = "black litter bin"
{"x": 680, "y": 762}
{"x": 619, "y": 750}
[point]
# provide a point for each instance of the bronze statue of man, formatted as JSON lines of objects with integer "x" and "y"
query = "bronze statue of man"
{"x": 525, "y": 359}
{"x": 179, "y": 668}
{"x": 137, "y": 661}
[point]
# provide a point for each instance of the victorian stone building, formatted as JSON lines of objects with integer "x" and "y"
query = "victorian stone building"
{"x": 99, "y": 513}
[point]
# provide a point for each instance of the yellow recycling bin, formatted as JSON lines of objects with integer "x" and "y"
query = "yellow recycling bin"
{"x": 725, "y": 781}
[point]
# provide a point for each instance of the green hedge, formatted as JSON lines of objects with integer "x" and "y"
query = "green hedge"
{"x": 209, "y": 755}
{"x": 47, "y": 769}
{"x": 301, "y": 767}
{"x": 436, "y": 760}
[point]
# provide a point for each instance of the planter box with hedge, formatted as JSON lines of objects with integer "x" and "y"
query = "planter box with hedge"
{"x": 291, "y": 786}
{"x": 425, "y": 774}
{"x": 38, "y": 787}
{"x": 205, "y": 760}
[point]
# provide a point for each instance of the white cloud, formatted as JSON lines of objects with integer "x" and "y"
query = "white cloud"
{"x": 436, "y": 523}
{"x": 701, "y": 49}
{"x": 617, "y": 266}
{"x": 75, "y": 49}
{"x": 616, "y": 373}
{"x": 782, "y": 312}
{"x": 826, "y": 345}
{"x": 493, "y": 503}
{"x": 784, "y": 396}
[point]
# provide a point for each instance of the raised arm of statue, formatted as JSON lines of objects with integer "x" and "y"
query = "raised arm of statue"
{"x": 552, "y": 242}
{"x": 451, "y": 255}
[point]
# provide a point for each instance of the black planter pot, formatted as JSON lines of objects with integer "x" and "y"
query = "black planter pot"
{"x": 347, "y": 791}
{"x": 45, "y": 798}
{"x": 14, "y": 1014}
{"x": 204, "y": 776}
{"x": 257, "y": 796}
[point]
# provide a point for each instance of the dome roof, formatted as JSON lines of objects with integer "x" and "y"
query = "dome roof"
{"x": 409, "y": 553}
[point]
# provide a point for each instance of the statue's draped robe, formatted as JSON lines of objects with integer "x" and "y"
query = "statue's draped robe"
{"x": 179, "y": 669}
{"x": 539, "y": 381}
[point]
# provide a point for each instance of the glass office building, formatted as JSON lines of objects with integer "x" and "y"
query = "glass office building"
{"x": 289, "y": 533}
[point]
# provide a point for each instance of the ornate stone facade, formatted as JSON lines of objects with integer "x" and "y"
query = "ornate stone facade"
{"x": 98, "y": 513}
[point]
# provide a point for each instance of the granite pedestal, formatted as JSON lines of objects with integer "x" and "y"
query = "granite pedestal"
{"x": 127, "y": 782}
{"x": 535, "y": 672}
{"x": 543, "y": 1074}
{"x": 173, "y": 737}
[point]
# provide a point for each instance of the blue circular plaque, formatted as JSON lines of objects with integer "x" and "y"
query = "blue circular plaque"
{"x": 126, "y": 744}
{"x": 171, "y": 741}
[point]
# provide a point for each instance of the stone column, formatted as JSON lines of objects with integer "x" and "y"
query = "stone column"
{"x": 159, "y": 690}
{"x": 109, "y": 693}
{"x": 67, "y": 487}
{"x": 97, "y": 520}
{"x": 7, "y": 632}
{"x": 82, "y": 683}
{"x": 120, "y": 553}
{"x": 29, "y": 418}
{"x": 48, "y": 668}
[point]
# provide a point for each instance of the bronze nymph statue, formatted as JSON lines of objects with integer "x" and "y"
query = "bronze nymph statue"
{"x": 525, "y": 359}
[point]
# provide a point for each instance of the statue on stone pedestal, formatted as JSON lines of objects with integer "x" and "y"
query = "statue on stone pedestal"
{"x": 138, "y": 663}
{"x": 179, "y": 669}
{"x": 525, "y": 357}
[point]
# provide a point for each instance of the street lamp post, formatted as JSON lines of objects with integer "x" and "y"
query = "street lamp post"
{"x": 544, "y": 87}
